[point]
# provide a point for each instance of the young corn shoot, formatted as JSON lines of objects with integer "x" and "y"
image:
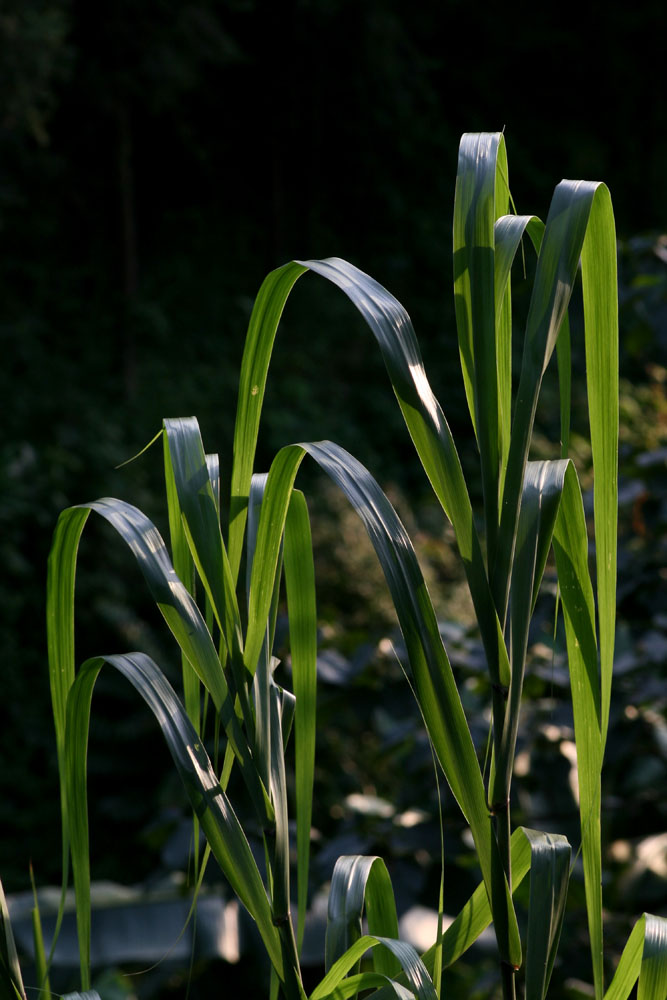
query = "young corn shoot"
{"x": 224, "y": 626}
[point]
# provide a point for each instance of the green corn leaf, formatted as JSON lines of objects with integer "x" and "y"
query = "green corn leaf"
{"x": 599, "y": 282}
{"x": 176, "y": 604}
{"x": 209, "y": 802}
{"x": 571, "y": 550}
{"x": 475, "y": 916}
{"x": 542, "y": 489}
{"x": 266, "y": 313}
{"x": 281, "y": 880}
{"x": 418, "y": 980}
{"x": 645, "y": 958}
{"x": 558, "y": 261}
{"x": 432, "y": 673}
{"x": 361, "y": 882}
{"x": 392, "y": 328}
{"x": 564, "y": 361}
{"x": 184, "y": 568}
{"x": 302, "y": 614}
{"x": 482, "y": 195}
{"x": 263, "y": 671}
{"x": 60, "y": 640}
{"x": 384, "y": 987}
{"x": 202, "y": 528}
{"x": 508, "y": 232}
{"x": 549, "y": 879}
{"x": 257, "y": 487}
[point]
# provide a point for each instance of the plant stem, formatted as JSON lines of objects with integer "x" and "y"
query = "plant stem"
{"x": 293, "y": 985}
{"x": 500, "y": 806}
{"x": 509, "y": 981}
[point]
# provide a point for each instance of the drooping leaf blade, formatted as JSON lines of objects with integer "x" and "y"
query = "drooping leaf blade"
{"x": 202, "y": 523}
{"x": 176, "y": 604}
{"x": 392, "y": 328}
{"x": 557, "y": 267}
{"x": 482, "y": 195}
{"x": 210, "y": 804}
{"x": 644, "y": 958}
{"x": 266, "y": 313}
{"x": 417, "y": 977}
{"x": 540, "y": 500}
{"x": 360, "y": 882}
{"x": 434, "y": 681}
{"x": 549, "y": 879}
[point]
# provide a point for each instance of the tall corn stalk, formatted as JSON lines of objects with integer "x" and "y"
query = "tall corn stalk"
{"x": 224, "y": 621}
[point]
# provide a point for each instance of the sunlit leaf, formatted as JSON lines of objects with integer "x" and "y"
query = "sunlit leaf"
{"x": 359, "y": 883}
{"x": 210, "y": 804}
{"x": 644, "y": 958}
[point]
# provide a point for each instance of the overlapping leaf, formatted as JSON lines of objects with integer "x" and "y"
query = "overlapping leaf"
{"x": 361, "y": 882}
{"x": 432, "y": 673}
{"x": 644, "y": 958}
{"x": 209, "y": 802}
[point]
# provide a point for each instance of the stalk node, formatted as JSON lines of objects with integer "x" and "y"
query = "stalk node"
{"x": 500, "y": 807}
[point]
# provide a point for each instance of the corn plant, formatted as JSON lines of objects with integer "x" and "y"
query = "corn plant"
{"x": 219, "y": 592}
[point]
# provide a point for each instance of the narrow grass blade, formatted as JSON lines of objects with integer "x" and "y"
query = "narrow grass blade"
{"x": 392, "y": 328}
{"x": 302, "y": 613}
{"x": 482, "y": 195}
{"x": 262, "y": 329}
{"x": 571, "y": 550}
{"x": 11, "y": 979}
{"x": 264, "y": 669}
{"x": 475, "y": 916}
{"x": 383, "y": 987}
{"x": 557, "y": 266}
{"x": 542, "y": 489}
{"x": 645, "y": 958}
{"x": 508, "y": 232}
{"x": 185, "y": 570}
{"x": 564, "y": 361}
{"x": 417, "y": 977}
{"x": 549, "y": 879}
{"x": 360, "y": 882}
{"x": 61, "y": 575}
{"x": 598, "y": 272}
{"x": 280, "y": 881}
{"x": 202, "y": 526}
{"x": 176, "y": 604}
{"x": 432, "y": 673}
{"x": 209, "y": 802}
